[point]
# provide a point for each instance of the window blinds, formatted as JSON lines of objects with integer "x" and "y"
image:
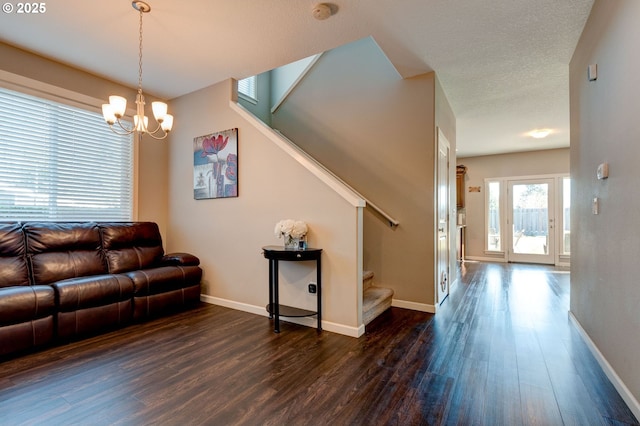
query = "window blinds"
{"x": 248, "y": 88}
{"x": 58, "y": 162}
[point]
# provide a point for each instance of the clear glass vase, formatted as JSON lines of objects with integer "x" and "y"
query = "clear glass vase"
{"x": 291, "y": 243}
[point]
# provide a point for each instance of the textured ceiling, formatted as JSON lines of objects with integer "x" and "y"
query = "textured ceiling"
{"x": 503, "y": 63}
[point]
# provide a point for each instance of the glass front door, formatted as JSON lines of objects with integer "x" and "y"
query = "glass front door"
{"x": 531, "y": 221}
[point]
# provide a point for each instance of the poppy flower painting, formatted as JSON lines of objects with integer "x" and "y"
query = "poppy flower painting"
{"x": 215, "y": 165}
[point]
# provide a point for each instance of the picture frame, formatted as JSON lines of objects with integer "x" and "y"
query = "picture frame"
{"x": 215, "y": 165}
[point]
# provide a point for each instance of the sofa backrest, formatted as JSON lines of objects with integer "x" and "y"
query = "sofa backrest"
{"x": 131, "y": 246}
{"x": 61, "y": 250}
{"x": 13, "y": 261}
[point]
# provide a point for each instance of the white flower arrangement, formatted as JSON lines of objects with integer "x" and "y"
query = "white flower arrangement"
{"x": 289, "y": 228}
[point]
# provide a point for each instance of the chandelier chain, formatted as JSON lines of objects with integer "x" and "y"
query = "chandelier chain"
{"x": 140, "y": 56}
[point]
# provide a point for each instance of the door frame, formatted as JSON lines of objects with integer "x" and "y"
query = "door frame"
{"x": 500, "y": 254}
{"x": 442, "y": 221}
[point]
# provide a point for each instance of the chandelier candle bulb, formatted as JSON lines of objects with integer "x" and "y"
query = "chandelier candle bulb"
{"x": 167, "y": 123}
{"x": 140, "y": 125}
{"x": 159, "y": 110}
{"x": 107, "y": 112}
{"x": 118, "y": 104}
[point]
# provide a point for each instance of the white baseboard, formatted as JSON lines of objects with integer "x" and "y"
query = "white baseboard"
{"x": 622, "y": 389}
{"x": 414, "y": 306}
{"x": 486, "y": 259}
{"x": 244, "y": 307}
{"x": 307, "y": 321}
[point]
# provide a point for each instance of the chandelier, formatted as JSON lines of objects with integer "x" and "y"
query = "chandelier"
{"x": 115, "y": 109}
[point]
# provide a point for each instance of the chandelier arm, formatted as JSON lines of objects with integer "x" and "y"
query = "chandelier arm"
{"x": 164, "y": 135}
{"x": 156, "y": 129}
{"x": 117, "y": 132}
{"x": 127, "y": 130}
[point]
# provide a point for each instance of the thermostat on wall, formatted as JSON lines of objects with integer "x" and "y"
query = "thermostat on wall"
{"x": 603, "y": 171}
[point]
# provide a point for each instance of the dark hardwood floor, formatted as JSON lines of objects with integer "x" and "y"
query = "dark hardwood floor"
{"x": 500, "y": 352}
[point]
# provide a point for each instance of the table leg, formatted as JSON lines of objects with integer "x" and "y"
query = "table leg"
{"x": 271, "y": 261}
{"x": 319, "y": 292}
{"x": 276, "y": 298}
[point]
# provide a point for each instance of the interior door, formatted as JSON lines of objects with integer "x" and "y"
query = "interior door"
{"x": 443, "y": 191}
{"x": 531, "y": 220}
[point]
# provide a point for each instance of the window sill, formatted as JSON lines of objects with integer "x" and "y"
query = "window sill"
{"x": 247, "y": 98}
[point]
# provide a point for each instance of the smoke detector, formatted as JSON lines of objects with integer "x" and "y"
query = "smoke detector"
{"x": 321, "y": 11}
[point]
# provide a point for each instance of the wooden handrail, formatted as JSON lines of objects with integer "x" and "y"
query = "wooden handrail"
{"x": 392, "y": 222}
{"x": 301, "y": 157}
{"x": 346, "y": 190}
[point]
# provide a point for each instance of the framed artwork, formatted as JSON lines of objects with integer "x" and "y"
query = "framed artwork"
{"x": 215, "y": 165}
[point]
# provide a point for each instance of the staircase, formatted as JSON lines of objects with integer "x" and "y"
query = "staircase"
{"x": 376, "y": 300}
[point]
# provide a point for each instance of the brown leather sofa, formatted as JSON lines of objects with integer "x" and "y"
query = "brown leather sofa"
{"x": 60, "y": 281}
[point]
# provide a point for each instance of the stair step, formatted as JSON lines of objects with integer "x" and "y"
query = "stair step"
{"x": 367, "y": 279}
{"x": 376, "y": 300}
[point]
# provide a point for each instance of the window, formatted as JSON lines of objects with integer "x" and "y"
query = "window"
{"x": 566, "y": 216}
{"x": 59, "y": 162}
{"x": 494, "y": 240}
{"x": 248, "y": 87}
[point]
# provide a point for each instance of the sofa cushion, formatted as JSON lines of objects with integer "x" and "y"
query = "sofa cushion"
{"x": 159, "y": 290}
{"x": 88, "y": 305}
{"x": 131, "y": 246}
{"x": 58, "y": 251}
{"x": 87, "y": 292}
{"x": 25, "y": 303}
{"x": 13, "y": 261}
{"x": 26, "y": 317}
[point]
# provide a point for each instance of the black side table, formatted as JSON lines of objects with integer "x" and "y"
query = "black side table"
{"x": 277, "y": 253}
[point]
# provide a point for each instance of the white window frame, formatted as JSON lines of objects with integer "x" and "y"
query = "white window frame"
{"x": 561, "y": 259}
{"x": 248, "y": 89}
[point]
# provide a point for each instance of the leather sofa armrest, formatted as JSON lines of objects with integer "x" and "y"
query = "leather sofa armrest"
{"x": 180, "y": 259}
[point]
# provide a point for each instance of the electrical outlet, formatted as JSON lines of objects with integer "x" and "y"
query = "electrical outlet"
{"x": 313, "y": 288}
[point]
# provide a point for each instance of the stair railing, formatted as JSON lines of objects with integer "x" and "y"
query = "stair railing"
{"x": 346, "y": 190}
{"x": 390, "y": 220}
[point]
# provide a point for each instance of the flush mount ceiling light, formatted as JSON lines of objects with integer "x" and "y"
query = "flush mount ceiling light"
{"x": 321, "y": 11}
{"x": 115, "y": 109}
{"x": 540, "y": 133}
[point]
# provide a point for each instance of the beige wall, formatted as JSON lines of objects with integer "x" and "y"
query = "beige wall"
{"x": 605, "y": 125}
{"x": 227, "y": 234}
{"x": 151, "y": 196}
{"x": 355, "y": 114}
{"x": 554, "y": 161}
